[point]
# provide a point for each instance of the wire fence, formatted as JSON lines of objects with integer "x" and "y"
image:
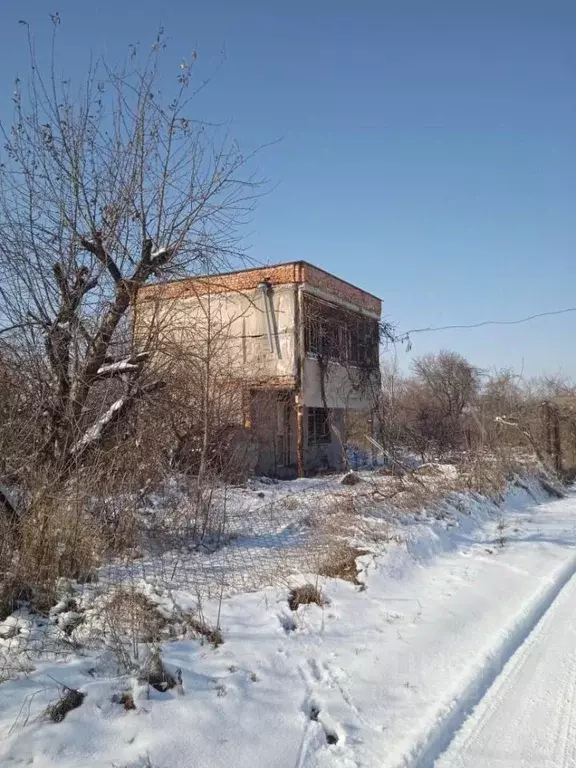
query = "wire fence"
{"x": 178, "y": 553}
{"x": 182, "y": 553}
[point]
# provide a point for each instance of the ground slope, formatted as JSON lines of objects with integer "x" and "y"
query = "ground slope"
{"x": 383, "y": 675}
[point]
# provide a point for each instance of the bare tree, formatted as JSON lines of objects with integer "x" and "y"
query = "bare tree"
{"x": 444, "y": 384}
{"x": 102, "y": 188}
{"x": 389, "y": 423}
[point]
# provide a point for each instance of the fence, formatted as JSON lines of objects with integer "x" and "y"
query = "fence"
{"x": 182, "y": 554}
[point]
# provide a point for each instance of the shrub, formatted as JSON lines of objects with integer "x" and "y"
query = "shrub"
{"x": 305, "y": 595}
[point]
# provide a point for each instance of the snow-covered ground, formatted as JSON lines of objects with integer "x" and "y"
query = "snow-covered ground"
{"x": 426, "y": 661}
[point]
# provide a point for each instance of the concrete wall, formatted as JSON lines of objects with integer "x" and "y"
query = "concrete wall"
{"x": 230, "y": 328}
{"x": 341, "y": 388}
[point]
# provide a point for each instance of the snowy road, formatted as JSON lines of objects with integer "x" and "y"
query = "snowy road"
{"x": 527, "y": 717}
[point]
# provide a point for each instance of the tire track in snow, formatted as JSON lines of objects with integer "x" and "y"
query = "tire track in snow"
{"x": 567, "y": 739}
{"x": 451, "y": 715}
{"x": 526, "y": 716}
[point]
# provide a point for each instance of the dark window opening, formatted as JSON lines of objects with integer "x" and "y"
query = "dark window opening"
{"x": 318, "y": 426}
{"x": 364, "y": 342}
{"x": 322, "y": 338}
{"x": 335, "y": 334}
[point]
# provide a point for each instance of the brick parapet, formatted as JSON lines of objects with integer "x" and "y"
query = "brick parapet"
{"x": 296, "y": 272}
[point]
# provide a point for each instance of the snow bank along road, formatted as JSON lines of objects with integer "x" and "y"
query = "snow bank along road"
{"x": 459, "y": 651}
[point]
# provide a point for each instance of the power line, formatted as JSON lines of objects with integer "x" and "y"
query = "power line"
{"x": 431, "y": 329}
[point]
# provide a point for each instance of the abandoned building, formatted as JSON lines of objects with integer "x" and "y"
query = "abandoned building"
{"x": 295, "y": 349}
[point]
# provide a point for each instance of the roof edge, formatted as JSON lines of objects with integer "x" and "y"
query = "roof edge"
{"x": 259, "y": 268}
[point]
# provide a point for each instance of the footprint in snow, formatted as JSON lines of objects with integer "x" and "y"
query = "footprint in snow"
{"x": 329, "y": 731}
{"x": 288, "y": 623}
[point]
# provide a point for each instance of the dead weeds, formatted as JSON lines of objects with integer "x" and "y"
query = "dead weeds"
{"x": 154, "y": 673}
{"x": 130, "y": 613}
{"x": 199, "y": 627}
{"x": 70, "y": 699}
{"x": 340, "y": 563}
{"x": 305, "y": 595}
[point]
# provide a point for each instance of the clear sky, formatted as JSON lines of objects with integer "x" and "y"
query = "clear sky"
{"x": 426, "y": 153}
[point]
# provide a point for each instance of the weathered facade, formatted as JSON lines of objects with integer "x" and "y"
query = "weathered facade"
{"x": 298, "y": 344}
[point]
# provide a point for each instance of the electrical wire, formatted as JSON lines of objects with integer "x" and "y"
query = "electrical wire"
{"x": 431, "y": 329}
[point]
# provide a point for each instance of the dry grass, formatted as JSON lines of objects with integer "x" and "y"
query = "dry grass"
{"x": 480, "y": 473}
{"x": 130, "y": 615}
{"x": 340, "y": 563}
{"x": 199, "y": 627}
{"x": 551, "y": 489}
{"x": 305, "y": 595}
{"x": 154, "y": 673}
{"x": 57, "y": 538}
{"x": 60, "y": 538}
{"x": 487, "y": 475}
{"x": 70, "y": 699}
{"x": 501, "y": 533}
{"x": 13, "y": 591}
{"x": 393, "y": 471}
{"x": 63, "y": 538}
{"x": 367, "y": 513}
{"x": 353, "y": 515}
{"x": 6, "y": 603}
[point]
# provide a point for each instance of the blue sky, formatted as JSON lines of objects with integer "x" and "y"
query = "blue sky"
{"x": 426, "y": 153}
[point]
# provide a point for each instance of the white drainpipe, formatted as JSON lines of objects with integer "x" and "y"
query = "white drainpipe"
{"x": 266, "y": 289}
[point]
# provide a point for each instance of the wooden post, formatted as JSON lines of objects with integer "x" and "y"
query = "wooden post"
{"x": 548, "y": 422}
{"x": 300, "y": 439}
{"x": 557, "y": 440}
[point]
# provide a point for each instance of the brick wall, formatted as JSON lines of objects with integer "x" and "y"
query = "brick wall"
{"x": 233, "y": 281}
{"x": 327, "y": 282}
{"x": 281, "y": 274}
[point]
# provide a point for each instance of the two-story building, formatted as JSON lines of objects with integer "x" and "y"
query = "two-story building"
{"x": 298, "y": 344}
